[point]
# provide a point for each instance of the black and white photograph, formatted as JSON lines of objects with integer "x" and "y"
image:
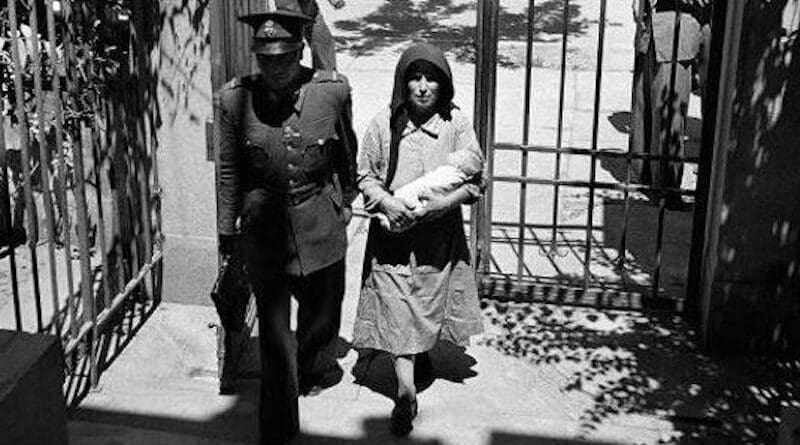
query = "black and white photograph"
{"x": 421, "y": 222}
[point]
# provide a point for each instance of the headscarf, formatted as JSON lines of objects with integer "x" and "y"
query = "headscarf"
{"x": 399, "y": 111}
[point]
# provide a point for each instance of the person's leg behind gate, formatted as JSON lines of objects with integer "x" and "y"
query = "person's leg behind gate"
{"x": 319, "y": 313}
{"x": 641, "y": 117}
{"x": 323, "y": 47}
{"x": 670, "y": 100}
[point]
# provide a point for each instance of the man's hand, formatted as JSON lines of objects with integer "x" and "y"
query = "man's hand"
{"x": 338, "y": 4}
{"x": 398, "y": 213}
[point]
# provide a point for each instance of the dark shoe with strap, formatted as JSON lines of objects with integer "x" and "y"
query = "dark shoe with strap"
{"x": 403, "y": 414}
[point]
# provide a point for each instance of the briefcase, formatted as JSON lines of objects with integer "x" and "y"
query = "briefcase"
{"x": 230, "y": 294}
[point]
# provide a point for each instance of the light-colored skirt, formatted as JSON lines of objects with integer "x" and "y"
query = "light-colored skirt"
{"x": 417, "y": 288}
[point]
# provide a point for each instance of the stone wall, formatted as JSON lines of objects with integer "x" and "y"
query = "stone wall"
{"x": 755, "y": 295}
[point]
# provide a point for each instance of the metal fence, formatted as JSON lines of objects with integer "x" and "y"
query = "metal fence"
{"x": 515, "y": 244}
{"x": 79, "y": 198}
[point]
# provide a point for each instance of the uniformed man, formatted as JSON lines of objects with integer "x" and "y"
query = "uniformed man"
{"x": 286, "y": 175}
{"x": 658, "y": 96}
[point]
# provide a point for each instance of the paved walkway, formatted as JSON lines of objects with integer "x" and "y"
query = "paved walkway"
{"x": 540, "y": 374}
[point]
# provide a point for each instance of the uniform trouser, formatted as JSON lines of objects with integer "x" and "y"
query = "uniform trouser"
{"x": 283, "y": 355}
{"x": 323, "y": 47}
{"x": 651, "y": 131}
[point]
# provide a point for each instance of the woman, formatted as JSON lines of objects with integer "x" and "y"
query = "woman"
{"x": 417, "y": 286}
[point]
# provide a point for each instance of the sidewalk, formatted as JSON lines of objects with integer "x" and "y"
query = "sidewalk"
{"x": 540, "y": 374}
{"x": 162, "y": 389}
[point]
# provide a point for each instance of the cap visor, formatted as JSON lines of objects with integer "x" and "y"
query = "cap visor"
{"x": 275, "y": 48}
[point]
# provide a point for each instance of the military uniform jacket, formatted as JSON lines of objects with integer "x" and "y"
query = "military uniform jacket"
{"x": 299, "y": 151}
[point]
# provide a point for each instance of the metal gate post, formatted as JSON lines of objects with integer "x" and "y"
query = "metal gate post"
{"x": 485, "y": 95}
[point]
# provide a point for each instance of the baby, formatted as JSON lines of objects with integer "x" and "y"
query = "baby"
{"x": 462, "y": 165}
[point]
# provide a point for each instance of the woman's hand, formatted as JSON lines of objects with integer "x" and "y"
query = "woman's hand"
{"x": 398, "y": 213}
{"x": 434, "y": 206}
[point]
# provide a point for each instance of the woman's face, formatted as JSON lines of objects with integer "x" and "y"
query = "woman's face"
{"x": 423, "y": 93}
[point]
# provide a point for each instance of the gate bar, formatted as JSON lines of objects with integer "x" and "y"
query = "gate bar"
{"x": 24, "y": 141}
{"x": 561, "y": 89}
{"x": 663, "y": 164}
{"x": 595, "y": 124}
{"x": 73, "y": 301}
{"x": 588, "y": 152}
{"x": 62, "y": 170}
{"x": 99, "y": 152}
{"x": 523, "y": 187}
{"x": 44, "y": 161}
{"x": 143, "y": 171}
{"x": 8, "y": 222}
{"x": 80, "y": 201}
{"x": 484, "y": 110}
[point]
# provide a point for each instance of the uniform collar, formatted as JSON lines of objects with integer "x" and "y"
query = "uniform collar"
{"x": 306, "y": 77}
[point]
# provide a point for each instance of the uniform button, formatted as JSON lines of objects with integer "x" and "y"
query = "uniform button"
{"x": 321, "y": 141}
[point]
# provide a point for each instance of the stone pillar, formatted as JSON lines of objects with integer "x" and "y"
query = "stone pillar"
{"x": 32, "y": 406}
{"x": 750, "y": 293}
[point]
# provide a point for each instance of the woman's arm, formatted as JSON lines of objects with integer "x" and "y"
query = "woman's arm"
{"x": 371, "y": 167}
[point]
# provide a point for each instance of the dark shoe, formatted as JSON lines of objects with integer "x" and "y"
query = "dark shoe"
{"x": 404, "y": 412}
{"x": 230, "y": 351}
{"x": 423, "y": 370}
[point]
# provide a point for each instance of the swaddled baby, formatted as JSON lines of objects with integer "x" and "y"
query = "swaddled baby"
{"x": 444, "y": 179}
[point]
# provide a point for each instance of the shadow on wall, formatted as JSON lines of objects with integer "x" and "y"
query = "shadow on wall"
{"x": 405, "y": 20}
{"x": 186, "y": 42}
{"x": 759, "y": 245}
{"x": 648, "y": 364}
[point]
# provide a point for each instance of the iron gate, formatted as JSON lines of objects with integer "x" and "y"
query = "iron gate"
{"x": 563, "y": 220}
{"x": 79, "y": 197}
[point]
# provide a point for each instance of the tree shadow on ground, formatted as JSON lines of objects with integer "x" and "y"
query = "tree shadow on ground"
{"x": 375, "y": 369}
{"x": 430, "y": 21}
{"x": 648, "y": 364}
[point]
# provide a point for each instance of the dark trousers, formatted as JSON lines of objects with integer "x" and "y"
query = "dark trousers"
{"x": 652, "y": 131}
{"x": 323, "y": 47}
{"x": 284, "y": 355}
